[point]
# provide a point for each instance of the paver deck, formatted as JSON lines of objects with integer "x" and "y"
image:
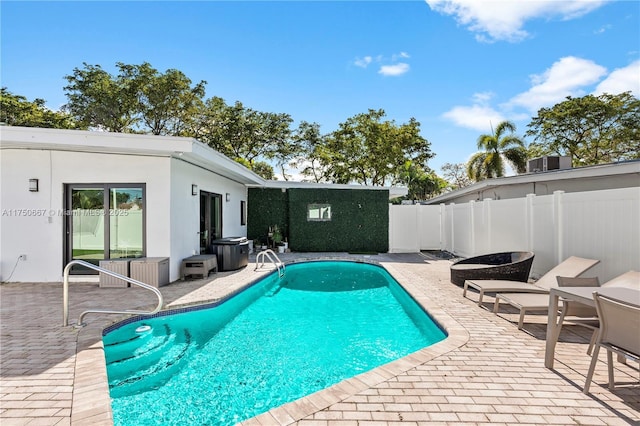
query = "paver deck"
{"x": 485, "y": 372}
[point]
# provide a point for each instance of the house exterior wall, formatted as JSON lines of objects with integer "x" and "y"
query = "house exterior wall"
{"x": 185, "y": 209}
{"x": 625, "y": 174}
{"x": 32, "y": 223}
{"x": 519, "y": 190}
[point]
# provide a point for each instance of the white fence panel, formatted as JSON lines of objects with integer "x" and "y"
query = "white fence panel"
{"x": 430, "y": 235}
{"x": 602, "y": 225}
{"x": 480, "y": 235}
{"x": 542, "y": 231}
{"x": 508, "y": 225}
{"x": 404, "y": 229}
{"x": 461, "y": 224}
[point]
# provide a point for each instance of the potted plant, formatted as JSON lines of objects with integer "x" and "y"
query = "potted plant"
{"x": 277, "y": 235}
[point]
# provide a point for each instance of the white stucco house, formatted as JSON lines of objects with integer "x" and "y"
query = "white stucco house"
{"x": 68, "y": 194}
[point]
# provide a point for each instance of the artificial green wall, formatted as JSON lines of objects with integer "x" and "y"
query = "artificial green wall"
{"x": 266, "y": 207}
{"x": 359, "y": 223}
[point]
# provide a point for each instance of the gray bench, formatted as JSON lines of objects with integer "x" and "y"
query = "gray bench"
{"x": 201, "y": 264}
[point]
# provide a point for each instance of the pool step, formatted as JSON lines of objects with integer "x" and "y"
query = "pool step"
{"x": 151, "y": 369}
{"x": 138, "y": 347}
{"x": 136, "y": 344}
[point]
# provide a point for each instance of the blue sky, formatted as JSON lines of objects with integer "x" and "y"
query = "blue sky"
{"x": 457, "y": 66}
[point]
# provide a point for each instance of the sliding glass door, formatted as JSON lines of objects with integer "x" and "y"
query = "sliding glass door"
{"x": 210, "y": 219}
{"x": 104, "y": 221}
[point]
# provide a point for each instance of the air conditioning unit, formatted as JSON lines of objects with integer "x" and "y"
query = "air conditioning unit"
{"x": 543, "y": 164}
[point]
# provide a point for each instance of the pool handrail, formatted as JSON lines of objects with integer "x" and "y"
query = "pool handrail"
{"x": 273, "y": 257}
{"x": 65, "y": 294}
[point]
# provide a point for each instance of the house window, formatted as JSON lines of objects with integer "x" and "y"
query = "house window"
{"x": 318, "y": 212}
{"x": 243, "y": 213}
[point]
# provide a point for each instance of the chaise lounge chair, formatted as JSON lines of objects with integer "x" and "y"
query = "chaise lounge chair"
{"x": 512, "y": 266}
{"x": 540, "y": 302}
{"x": 571, "y": 267}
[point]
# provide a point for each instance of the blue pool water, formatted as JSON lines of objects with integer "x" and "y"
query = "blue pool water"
{"x": 272, "y": 343}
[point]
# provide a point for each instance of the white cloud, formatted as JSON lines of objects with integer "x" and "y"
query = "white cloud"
{"x": 504, "y": 20}
{"x": 401, "y": 55}
{"x": 482, "y": 98}
{"x": 476, "y": 117}
{"x": 566, "y": 77}
{"x": 394, "y": 70}
{"x": 602, "y": 29}
{"x": 389, "y": 65}
{"x": 363, "y": 62}
{"x": 621, "y": 80}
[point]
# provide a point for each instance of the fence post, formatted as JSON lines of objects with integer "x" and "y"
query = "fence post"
{"x": 472, "y": 227}
{"x": 443, "y": 212}
{"x": 487, "y": 214}
{"x": 529, "y": 220}
{"x": 391, "y": 225}
{"x": 451, "y": 225}
{"x": 419, "y": 226}
{"x": 558, "y": 228}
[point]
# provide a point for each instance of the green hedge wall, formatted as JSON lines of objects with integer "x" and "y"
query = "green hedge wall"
{"x": 359, "y": 223}
{"x": 266, "y": 207}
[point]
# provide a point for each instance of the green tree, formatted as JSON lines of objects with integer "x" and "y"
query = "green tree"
{"x": 456, "y": 175}
{"x": 167, "y": 102}
{"x": 98, "y": 100}
{"x": 370, "y": 151}
{"x": 591, "y": 129}
{"x": 497, "y": 148}
{"x": 243, "y": 133}
{"x": 137, "y": 100}
{"x": 16, "y": 110}
{"x": 309, "y": 146}
{"x": 421, "y": 184}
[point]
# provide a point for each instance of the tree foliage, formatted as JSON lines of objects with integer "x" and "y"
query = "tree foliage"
{"x": 422, "y": 184}
{"x": 456, "y": 175}
{"x": 497, "y": 148}
{"x": 16, "y": 110}
{"x": 309, "y": 146}
{"x": 243, "y": 133}
{"x": 591, "y": 129}
{"x": 139, "y": 99}
{"x": 370, "y": 151}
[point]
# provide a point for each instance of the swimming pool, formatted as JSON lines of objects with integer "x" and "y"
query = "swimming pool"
{"x": 272, "y": 343}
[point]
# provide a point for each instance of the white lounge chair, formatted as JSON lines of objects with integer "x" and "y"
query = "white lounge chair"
{"x": 527, "y": 302}
{"x": 586, "y": 315}
{"x": 570, "y": 267}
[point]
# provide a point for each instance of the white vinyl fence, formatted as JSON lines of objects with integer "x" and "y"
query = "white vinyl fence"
{"x": 602, "y": 225}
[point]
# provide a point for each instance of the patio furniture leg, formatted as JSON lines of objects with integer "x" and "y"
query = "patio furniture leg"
{"x": 610, "y": 369}
{"x": 521, "y": 319}
{"x": 592, "y": 367}
{"x": 552, "y": 331}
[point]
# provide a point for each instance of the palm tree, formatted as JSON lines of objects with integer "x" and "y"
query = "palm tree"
{"x": 498, "y": 147}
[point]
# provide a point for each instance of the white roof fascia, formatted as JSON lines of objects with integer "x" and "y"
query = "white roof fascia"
{"x": 185, "y": 149}
{"x": 600, "y": 170}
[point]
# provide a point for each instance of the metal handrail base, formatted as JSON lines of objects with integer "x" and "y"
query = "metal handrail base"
{"x": 273, "y": 258}
{"x": 65, "y": 294}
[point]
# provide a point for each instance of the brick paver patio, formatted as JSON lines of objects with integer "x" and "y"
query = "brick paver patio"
{"x": 485, "y": 372}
